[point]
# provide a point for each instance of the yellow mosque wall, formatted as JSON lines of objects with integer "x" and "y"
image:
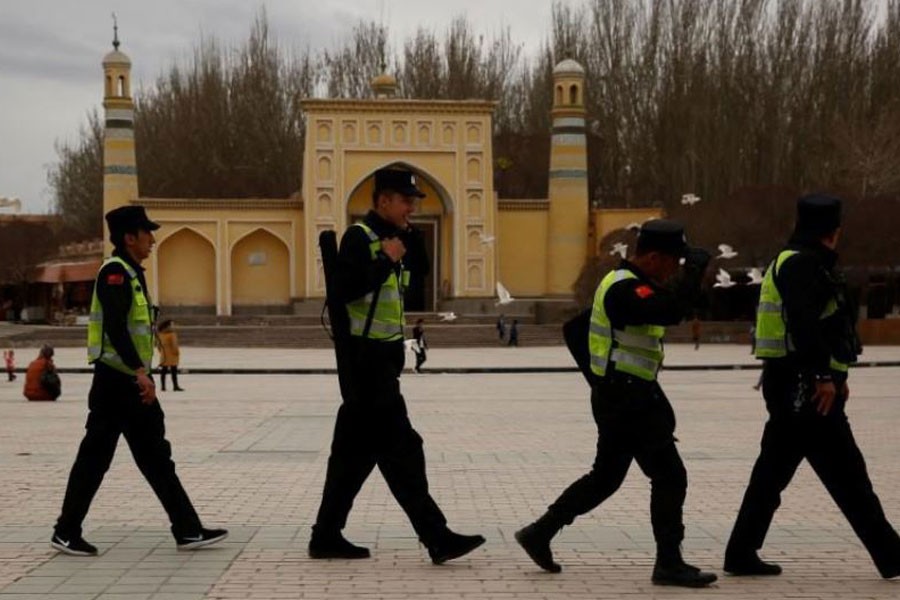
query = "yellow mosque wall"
{"x": 447, "y": 144}
{"x": 522, "y": 243}
{"x": 215, "y": 256}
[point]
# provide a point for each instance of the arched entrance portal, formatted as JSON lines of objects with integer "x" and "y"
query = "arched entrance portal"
{"x": 434, "y": 219}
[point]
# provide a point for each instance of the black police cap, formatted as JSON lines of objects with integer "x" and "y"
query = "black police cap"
{"x": 397, "y": 180}
{"x": 663, "y": 235}
{"x": 129, "y": 218}
{"x": 818, "y": 214}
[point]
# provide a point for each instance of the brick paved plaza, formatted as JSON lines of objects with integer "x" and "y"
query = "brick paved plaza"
{"x": 251, "y": 451}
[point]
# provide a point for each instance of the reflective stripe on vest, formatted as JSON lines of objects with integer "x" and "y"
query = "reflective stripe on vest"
{"x": 140, "y": 327}
{"x": 388, "y": 319}
{"x": 772, "y": 337}
{"x": 636, "y": 350}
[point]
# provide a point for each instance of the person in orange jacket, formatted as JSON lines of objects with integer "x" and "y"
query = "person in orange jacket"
{"x": 167, "y": 342}
{"x": 41, "y": 380}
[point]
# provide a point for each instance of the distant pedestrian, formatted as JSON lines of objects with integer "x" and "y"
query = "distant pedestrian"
{"x": 501, "y": 328}
{"x": 420, "y": 346}
{"x": 170, "y": 354}
{"x": 41, "y": 380}
{"x": 514, "y": 333}
{"x": 9, "y": 357}
{"x": 695, "y": 332}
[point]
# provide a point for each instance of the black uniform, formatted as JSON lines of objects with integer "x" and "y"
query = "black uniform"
{"x": 116, "y": 409}
{"x": 373, "y": 427}
{"x": 634, "y": 420}
{"x": 795, "y": 430}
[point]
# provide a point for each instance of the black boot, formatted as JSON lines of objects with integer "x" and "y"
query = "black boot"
{"x": 175, "y": 385}
{"x": 450, "y": 545}
{"x": 535, "y": 540}
{"x": 331, "y": 544}
{"x": 670, "y": 569}
{"x": 748, "y": 563}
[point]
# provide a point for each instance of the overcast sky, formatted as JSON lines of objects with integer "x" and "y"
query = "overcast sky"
{"x": 51, "y": 50}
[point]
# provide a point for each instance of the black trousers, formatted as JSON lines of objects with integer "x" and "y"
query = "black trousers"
{"x": 116, "y": 409}
{"x": 373, "y": 429}
{"x": 635, "y": 422}
{"x": 163, "y": 371}
{"x": 827, "y": 443}
{"x": 420, "y": 359}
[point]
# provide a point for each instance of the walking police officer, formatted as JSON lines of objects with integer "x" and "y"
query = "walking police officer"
{"x": 634, "y": 418}
{"x": 805, "y": 332}
{"x": 372, "y": 425}
{"x": 122, "y": 399}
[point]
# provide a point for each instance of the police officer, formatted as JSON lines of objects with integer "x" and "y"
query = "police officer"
{"x": 634, "y": 418}
{"x": 372, "y": 425}
{"x": 805, "y": 332}
{"x": 122, "y": 399}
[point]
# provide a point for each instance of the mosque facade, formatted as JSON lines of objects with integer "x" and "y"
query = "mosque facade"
{"x": 260, "y": 255}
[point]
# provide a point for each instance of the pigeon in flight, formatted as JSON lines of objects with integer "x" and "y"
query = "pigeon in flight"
{"x": 447, "y": 316}
{"x": 486, "y": 239}
{"x": 690, "y": 199}
{"x": 620, "y": 249}
{"x": 503, "y": 295}
{"x": 726, "y": 251}
{"x": 723, "y": 279}
{"x": 755, "y": 276}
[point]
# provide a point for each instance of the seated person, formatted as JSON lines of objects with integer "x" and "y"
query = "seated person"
{"x": 41, "y": 380}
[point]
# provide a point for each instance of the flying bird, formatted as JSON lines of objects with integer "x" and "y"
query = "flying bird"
{"x": 690, "y": 199}
{"x": 486, "y": 239}
{"x": 503, "y": 295}
{"x": 447, "y": 316}
{"x": 723, "y": 279}
{"x": 755, "y": 276}
{"x": 726, "y": 251}
{"x": 620, "y": 249}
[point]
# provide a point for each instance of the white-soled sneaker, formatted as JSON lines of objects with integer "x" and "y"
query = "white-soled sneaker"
{"x": 73, "y": 546}
{"x": 205, "y": 537}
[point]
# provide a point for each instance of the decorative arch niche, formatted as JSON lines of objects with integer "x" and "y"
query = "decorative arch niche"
{"x": 187, "y": 283}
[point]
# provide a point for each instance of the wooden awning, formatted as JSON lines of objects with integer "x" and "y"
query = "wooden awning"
{"x": 67, "y": 272}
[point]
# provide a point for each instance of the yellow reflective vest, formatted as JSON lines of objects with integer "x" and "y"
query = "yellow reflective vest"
{"x": 636, "y": 350}
{"x": 387, "y": 317}
{"x": 772, "y": 337}
{"x": 140, "y": 326}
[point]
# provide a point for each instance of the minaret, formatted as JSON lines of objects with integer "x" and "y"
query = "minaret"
{"x": 568, "y": 190}
{"x": 120, "y": 182}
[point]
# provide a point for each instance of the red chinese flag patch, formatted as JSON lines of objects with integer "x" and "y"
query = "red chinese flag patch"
{"x": 115, "y": 279}
{"x": 644, "y": 291}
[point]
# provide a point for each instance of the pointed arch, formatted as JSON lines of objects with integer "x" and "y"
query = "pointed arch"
{"x": 443, "y": 196}
{"x": 186, "y": 260}
{"x": 260, "y": 271}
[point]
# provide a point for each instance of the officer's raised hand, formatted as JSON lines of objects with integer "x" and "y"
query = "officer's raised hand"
{"x": 697, "y": 258}
{"x": 393, "y": 248}
{"x": 147, "y": 387}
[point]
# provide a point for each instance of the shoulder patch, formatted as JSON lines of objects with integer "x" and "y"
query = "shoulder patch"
{"x": 644, "y": 291}
{"x": 115, "y": 279}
